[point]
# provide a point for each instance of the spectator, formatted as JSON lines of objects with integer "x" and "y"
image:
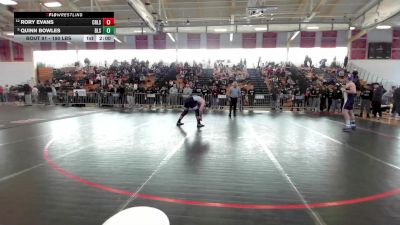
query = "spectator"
{"x": 329, "y": 95}
{"x": 377, "y": 100}
{"x": 251, "y": 94}
{"x": 49, "y": 92}
{"x": 35, "y": 95}
{"x": 396, "y": 100}
{"x": 173, "y": 92}
{"x": 316, "y": 99}
{"x": 121, "y": 94}
{"x": 187, "y": 91}
{"x": 337, "y": 98}
{"x": 324, "y": 96}
{"x": 6, "y": 93}
{"x": 366, "y": 98}
{"x": 1, "y": 93}
{"x": 356, "y": 80}
{"x": 214, "y": 95}
{"x": 297, "y": 99}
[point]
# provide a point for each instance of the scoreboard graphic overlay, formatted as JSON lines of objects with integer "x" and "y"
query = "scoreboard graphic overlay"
{"x": 64, "y": 26}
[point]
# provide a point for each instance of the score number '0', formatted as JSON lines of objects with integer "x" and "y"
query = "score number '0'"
{"x": 108, "y": 21}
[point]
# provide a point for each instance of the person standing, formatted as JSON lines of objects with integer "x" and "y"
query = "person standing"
{"x": 377, "y": 100}
{"x": 251, "y": 94}
{"x": 173, "y": 95}
{"x": 350, "y": 92}
{"x": 396, "y": 100}
{"x": 366, "y": 97}
{"x": 330, "y": 94}
{"x": 35, "y": 95}
{"x": 187, "y": 91}
{"x": 324, "y": 96}
{"x": 49, "y": 92}
{"x": 214, "y": 95}
{"x": 27, "y": 94}
{"x": 243, "y": 94}
{"x": 234, "y": 94}
{"x": 6, "y": 93}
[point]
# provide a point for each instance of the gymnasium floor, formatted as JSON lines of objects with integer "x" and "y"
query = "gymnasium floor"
{"x": 73, "y": 166}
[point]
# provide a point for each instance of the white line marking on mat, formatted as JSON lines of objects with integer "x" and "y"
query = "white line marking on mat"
{"x": 314, "y": 215}
{"x": 349, "y": 146}
{"x": 55, "y": 158}
{"x": 161, "y": 164}
{"x": 39, "y": 165}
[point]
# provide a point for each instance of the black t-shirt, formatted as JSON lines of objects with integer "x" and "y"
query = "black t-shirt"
{"x": 243, "y": 91}
{"x": 330, "y": 94}
{"x": 222, "y": 92}
{"x": 337, "y": 94}
{"x": 251, "y": 92}
{"x": 215, "y": 93}
{"x": 366, "y": 94}
{"x": 204, "y": 92}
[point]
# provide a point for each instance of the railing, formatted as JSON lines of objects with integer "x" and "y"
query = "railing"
{"x": 369, "y": 77}
{"x": 132, "y": 100}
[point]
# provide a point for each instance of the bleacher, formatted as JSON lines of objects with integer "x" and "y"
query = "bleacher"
{"x": 299, "y": 77}
{"x": 257, "y": 81}
{"x": 205, "y": 77}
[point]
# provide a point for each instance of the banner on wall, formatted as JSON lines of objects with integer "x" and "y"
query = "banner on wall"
{"x": 396, "y": 54}
{"x": 395, "y": 45}
{"x": 358, "y": 53}
{"x": 328, "y": 39}
{"x": 213, "y": 41}
{"x": 91, "y": 45}
{"x": 193, "y": 41}
{"x": 45, "y": 46}
{"x": 18, "y": 51}
{"x": 249, "y": 40}
{"x": 109, "y": 45}
{"x": 269, "y": 39}
{"x": 160, "y": 41}
{"x": 141, "y": 42}
{"x": 307, "y": 39}
{"x": 5, "y": 52}
{"x": 359, "y": 46}
{"x": 61, "y": 45}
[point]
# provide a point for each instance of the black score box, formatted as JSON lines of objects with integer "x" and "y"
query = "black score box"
{"x": 35, "y": 22}
{"x": 34, "y": 30}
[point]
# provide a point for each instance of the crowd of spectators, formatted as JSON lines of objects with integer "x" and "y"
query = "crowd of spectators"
{"x": 323, "y": 92}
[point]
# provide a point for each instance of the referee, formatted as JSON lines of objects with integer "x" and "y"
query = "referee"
{"x": 234, "y": 94}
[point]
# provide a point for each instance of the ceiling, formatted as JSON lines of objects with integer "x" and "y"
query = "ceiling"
{"x": 282, "y": 14}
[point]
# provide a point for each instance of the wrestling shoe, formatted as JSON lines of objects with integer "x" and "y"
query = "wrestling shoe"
{"x": 199, "y": 125}
{"x": 347, "y": 129}
{"x": 179, "y": 124}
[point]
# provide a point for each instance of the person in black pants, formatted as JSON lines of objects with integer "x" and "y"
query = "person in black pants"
{"x": 366, "y": 97}
{"x": 324, "y": 96}
{"x": 234, "y": 94}
{"x": 329, "y": 95}
{"x": 251, "y": 94}
{"x": 377, "y": 100}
